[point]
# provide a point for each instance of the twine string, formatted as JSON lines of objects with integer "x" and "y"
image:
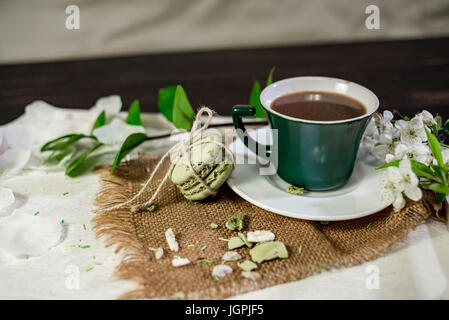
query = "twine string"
{"x": 184, "y": 147}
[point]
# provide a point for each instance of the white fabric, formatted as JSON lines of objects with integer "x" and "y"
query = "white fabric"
{"x": 416, "y": 268}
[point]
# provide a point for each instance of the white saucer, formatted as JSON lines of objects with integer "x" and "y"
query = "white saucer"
{"x": 357, "y": 198}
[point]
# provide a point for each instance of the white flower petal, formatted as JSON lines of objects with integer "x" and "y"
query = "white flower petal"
{"x": 416, "y": 123}
{"x": 399, "y": 202}
{"x": 371, "y": 129}
{"x": 381, "y": 150}
{"x": 402, "y": 124}
{"x": 389, "y": 158}
{"x": 387, "y": 195}
{"x": 405, "y": 167}
{"x": 387, "y": 116}
{"x": 427, "y": 118}
{"x": 413, "y": 193}
{"x": 394, "y": 175}
{"x": 385, "y": 138}
{"x": 400, "y": 150}
{"x": 421, "y": 133}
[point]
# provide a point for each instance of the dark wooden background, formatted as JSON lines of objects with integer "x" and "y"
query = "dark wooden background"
{"x": 407, "y": 75}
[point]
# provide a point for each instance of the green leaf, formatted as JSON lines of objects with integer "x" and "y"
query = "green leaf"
{"x": 439, "y": 122}
{"x": 254, "y": 100}
{"x": 131, "y": 142}
{"x": 183, "y": 114}
{"x": 446, "y": 126}
{"x": 438, "y": 125}
{"x": 439, "y": 188}
{"x": 58, "y": 155}
{"x": 270, "y": 77}
{"x": 422, "y": 170}
{"x": 435, "y": 148}
{"x": 100, "y": 121}
{"x": 62, "y": 142}
{"x": 175, "y": 106}
{"x": 72, "y": 168}
{"x": 134, "y": 114}
{"x": 166, "y": 101}
{"x": 440, "y": 172}
{"x": 394, "y": 163}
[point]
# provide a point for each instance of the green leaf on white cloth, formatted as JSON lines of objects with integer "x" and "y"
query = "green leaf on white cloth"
{"x": 73, "y": 169}
{"x": 100, "y": 121}
{"x": 130, "y": 143}
{"x": 62, "y": 142}
{"x": 134, "y": 114}
{"x": 60, "y": 156}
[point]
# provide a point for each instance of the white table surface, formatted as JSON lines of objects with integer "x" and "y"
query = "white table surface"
{"x": 416, "y": 268}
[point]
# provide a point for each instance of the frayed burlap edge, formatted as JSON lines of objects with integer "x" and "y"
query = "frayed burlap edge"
{"x": 114, "y": 228}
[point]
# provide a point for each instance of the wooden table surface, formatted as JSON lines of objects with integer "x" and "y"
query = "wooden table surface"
{"x": 407, "y": 75}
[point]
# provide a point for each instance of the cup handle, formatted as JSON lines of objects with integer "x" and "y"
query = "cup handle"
{"x": 239, "y": 111}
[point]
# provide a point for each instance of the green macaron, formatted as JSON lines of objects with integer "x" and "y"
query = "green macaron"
{"x": 209, "y": 160}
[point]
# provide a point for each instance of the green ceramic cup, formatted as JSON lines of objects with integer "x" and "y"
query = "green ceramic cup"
{"x": 316, "y": 155}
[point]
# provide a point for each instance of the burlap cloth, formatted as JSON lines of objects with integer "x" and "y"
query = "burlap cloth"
{"x": 322, "y": 246}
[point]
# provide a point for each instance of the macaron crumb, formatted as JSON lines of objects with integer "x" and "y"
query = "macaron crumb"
{"x": 151, "y": 207}
{"x": 295, "y": 190}
{"x": 214, "y": 225}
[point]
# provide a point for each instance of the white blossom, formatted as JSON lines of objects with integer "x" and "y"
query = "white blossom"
{"x": 399, "y": 181}
{"x": 380, "y": 150}
{"x": 427, "y": 118}
{"x": 413, "y": 131}
{"x": 384, "y": 122}
{"x": 419, "y": 152}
